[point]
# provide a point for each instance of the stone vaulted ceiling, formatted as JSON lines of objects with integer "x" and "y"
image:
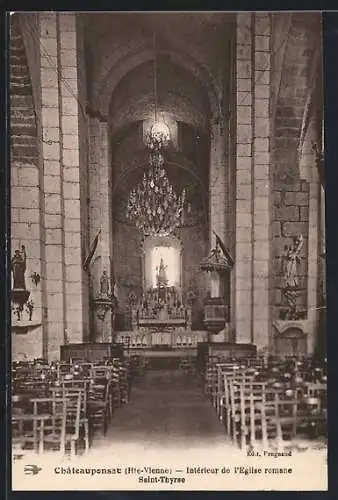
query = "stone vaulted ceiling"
{"x": 196, "y": 44}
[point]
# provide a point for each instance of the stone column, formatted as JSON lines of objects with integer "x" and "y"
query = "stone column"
{"x": 309, "y": 170}
{"x": 71, "y": 109}
{"x": 100, "y": 219}
{"x": 253, "y": 210}
{"x": 53, "y": 211}
{"x": 244, "y": 180}
{"x": 94, "y": 270}
{"x": 262, "y": 189}
{"x": 217, "y": 192}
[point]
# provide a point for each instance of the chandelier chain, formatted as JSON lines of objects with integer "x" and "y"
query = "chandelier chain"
{"x": 153, "y": 206}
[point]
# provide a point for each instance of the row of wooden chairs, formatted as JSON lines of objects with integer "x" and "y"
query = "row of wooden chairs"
{"x": 249, "y": 407}
{"x": 64, "y": 412}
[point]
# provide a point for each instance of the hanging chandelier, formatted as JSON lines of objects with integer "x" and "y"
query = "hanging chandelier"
{"x": 153, "y": 206}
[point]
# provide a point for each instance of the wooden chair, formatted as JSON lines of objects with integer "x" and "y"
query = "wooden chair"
{"x": 71, "y": 390}
{"x": 65, "y": 422}
{"x": 124, "y": 383}
{"x": 98, "y": 404}
{"x": 116, "y": 384}
{"x": 54, "y": 414}
{"x": 223, "y": 370}
{"x": 235, "y": 420}
{"x": 27, "y": 426}
{"x": 210, "y": 379}
{"x": 62, "y": 369}
{"x": 253, "y": 423}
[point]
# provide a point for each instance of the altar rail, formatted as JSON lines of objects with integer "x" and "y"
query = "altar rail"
{"x": 161, "y": 338}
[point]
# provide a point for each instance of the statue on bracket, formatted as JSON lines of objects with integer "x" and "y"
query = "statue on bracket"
{"x": 291, "y": 262}
{"x": 290, "y": 286}
{"x": 105, "y": 300}
{"x": 19, "y": 293}
{"x": 19, "y": 268}
{"x": 104, "y": 284}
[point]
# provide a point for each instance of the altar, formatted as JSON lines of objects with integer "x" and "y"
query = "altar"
{"x": 161, "y": 309}
{"x": 161, "y": 318}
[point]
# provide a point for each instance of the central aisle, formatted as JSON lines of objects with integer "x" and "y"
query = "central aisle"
{"x": 169, "y": 425}
{"x": 166, "y": 408}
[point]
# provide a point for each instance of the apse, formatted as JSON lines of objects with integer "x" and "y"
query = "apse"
{"x": 159, "y": 91}
{"x": 182, "y": 250}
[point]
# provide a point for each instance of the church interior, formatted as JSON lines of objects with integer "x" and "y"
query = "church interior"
{"x": 167, "y": 229}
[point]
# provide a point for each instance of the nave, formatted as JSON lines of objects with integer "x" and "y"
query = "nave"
{"x": 78, "y": 407}
{"x": 123, "y": 415}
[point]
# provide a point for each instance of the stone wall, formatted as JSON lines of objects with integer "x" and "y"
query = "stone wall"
{"x": 49, "y": 172}
{"x": 291, "y": 217}
{"x": 26, "y": 227}
{"x": 290, "y": 121}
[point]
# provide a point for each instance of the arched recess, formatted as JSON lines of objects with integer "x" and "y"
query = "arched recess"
{"x": 291, "y": 342}
{"x": 148, "y": 245}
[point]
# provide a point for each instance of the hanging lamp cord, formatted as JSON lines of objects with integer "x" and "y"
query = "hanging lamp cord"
{"x": 155, "y": 69}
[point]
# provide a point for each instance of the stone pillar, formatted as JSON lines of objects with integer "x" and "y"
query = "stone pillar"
{"x": 106, "y": 222}
{"x": 94, "y": 179}
{"x": 244, "y": 181}
{"x": 253, "y": 211}
{"x": 53, "y": 211}
{"x": 71, "y": 109}
{"x": 94, "y": 270}
{"x": 100, "y": 219}
{"x": 217, "y": 192}
{"x": 262, "y": 189}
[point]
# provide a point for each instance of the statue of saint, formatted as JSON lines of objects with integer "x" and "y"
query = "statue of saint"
{"x": 162, "y": 275}
{"x": 104, "y": 284}
{"x": 18, "y": 265}
{"x": 291, "y": 261}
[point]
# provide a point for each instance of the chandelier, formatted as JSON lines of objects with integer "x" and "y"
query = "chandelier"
{"x": 153, "y": 206}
